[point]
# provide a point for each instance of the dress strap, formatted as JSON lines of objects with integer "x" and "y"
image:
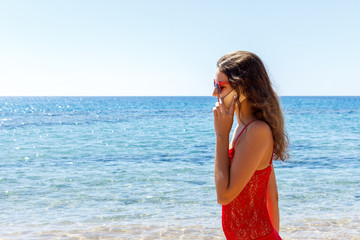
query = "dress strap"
{"x": 242, "y": 132}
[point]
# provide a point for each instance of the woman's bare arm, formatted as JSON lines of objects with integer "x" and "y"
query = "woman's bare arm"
{"x": 230, "y": 181}
{"x": 272, "y": 201}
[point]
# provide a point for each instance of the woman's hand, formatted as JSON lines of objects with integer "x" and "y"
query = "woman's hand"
{"x": 223, "y": 118}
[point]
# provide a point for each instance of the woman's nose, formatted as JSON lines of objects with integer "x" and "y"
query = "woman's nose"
{"x": 215, "y": 92}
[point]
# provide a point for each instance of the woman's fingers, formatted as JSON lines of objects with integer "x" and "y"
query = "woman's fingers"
{"x": 215, "y": 112}
{"x": 232, "y": 106}
{"x": 220, "y": 106}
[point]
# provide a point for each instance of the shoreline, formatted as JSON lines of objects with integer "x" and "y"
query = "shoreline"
{"x": 302, "y": 229}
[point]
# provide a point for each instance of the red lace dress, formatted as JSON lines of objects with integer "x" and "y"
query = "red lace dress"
{"x": 247, "y": 217}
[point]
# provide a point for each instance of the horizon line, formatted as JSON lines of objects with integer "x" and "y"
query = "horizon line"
{"x": 2, "y": 96}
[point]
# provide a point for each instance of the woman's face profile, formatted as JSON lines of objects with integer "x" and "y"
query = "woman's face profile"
{"x": 225, "y": 89}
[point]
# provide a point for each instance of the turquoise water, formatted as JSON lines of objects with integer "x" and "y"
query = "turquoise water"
{"x": 142, "y": 168}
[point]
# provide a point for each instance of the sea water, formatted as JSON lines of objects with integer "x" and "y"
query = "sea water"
{"x": 142, "y": 168}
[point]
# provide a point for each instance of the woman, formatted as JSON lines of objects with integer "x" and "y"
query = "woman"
{"x": 244, "y": 175}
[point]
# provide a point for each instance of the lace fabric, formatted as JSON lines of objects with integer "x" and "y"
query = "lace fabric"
{"x": 247, "y": 217}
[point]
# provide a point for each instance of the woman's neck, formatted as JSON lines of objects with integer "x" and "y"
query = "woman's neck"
{"x": 246, "y": 114}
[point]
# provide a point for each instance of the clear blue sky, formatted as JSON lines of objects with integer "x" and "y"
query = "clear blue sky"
{"x": 170, "y": 48}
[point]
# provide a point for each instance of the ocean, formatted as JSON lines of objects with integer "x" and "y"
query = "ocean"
{"x": 142, "y": 168}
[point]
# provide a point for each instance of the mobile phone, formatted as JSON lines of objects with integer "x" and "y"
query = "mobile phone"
{"x": 228, "y": 98}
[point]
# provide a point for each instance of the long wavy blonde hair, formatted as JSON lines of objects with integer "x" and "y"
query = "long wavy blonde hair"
{"x": 247, "y": 71}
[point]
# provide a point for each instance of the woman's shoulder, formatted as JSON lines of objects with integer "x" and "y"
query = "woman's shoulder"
{"x": 258, "y": 130}
{"x": 259, "y": 125}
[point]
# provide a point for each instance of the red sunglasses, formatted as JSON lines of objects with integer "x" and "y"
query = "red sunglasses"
{"x": 218, "y": 85}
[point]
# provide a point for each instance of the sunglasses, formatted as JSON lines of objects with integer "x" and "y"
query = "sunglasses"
{"x": 218, "y": 85}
